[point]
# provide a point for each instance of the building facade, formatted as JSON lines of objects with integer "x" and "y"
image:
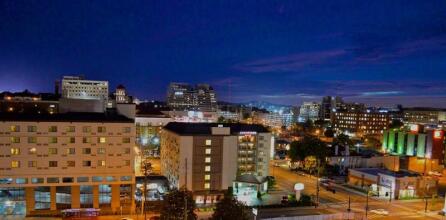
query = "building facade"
{"x": 361, "y": 123}
{"x": 62, "y": 161}
{"x": 207, "y": 157}
{"x": 309, "y": 111}
{"x": 27, "y": 102}
{"x": 427, "y": 144}
{"x": 424, "y": 115}
{"x": 182, "y": 96}
{"x": 77, "y": 87}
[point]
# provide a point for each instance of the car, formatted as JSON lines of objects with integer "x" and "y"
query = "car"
{"x": 435, "y": 173}
{"x": 380, "y": 211}
{"x": 284, "y": 200}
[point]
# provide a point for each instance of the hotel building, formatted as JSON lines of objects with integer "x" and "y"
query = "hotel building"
{"x": 208, "y": 157}
{"x": 62, "y": 161}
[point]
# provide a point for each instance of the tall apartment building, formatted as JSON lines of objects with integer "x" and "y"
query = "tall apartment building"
{"x": 182, "y": 96}
{"x": 309, "y": 111}
{"x": 207, "y": 157}
{"x": 328, "y": 105}
{"x": 369, "y": 122}
{"x": 61, "y": 161}
{"x": 77, "y": 87}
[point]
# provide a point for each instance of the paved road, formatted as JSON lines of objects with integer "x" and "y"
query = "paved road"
{"x": 398, "y": 209}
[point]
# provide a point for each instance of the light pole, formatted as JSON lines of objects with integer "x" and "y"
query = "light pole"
{"x": 348, "y": 210}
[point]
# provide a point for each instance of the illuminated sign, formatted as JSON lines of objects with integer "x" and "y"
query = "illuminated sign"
{"x": 248, "y": 132}
{"x": 438, "y": 134}
{"x": 414, "y": 128}
{"x": 298, "y": 186}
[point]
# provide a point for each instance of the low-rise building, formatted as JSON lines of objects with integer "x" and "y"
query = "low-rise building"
{"x": 427, "y": 144}
{"x": 394, "y": 184}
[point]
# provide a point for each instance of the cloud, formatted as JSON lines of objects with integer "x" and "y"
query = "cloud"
{"x": 381, "y": 93}
{"x": 291, "y": 62}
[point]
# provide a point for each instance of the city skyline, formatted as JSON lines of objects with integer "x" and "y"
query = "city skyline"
{"x": 380, "y": 53}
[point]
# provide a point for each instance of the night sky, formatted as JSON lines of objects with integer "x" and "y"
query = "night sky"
{"x": 381, "y": 52}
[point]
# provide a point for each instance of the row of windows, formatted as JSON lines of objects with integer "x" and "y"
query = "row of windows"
{"x": 70, "y": 163}
{"x": 70, "y": 151}
{"x": 53, "y": 128}
{"x": 71, "y": 140}
{"x": 81, "y": 179}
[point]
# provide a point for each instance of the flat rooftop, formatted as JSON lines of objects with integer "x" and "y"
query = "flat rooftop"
{"x": 376, "y": 171}
{"x": 182, "y": 128}
{"x": 67, "y": 117}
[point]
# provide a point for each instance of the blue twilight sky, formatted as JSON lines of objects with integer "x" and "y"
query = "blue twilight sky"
{"x": 378, "y": 52}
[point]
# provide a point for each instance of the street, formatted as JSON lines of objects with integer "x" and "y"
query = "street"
{"x": 338, "y": 201}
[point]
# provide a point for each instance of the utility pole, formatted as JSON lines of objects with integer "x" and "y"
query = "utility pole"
{"x": 185, "y": 189}
{"x": 367, "y": 203}
{"x": 317, "y": 182}
{"x": 147, "y": 171}
{"x": 348, "y": 210}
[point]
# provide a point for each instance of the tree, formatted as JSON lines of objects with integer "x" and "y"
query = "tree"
{"x": 396, "y": 124}
{"x": 174, "y": 204}
{"x": 344, "y": 141}
{"x": 230, "y": 208}
{"x": 329, "y": 132}
{"x": 308, "y": 146}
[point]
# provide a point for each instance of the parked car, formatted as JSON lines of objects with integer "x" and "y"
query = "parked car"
{"x": 284, "y": 200}
{"x": 380, "y": 211}
{"x": 435, "y": 173}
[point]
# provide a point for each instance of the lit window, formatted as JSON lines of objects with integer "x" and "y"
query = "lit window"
{"x": 52, "y": 180}
{"x": 15, "y": 164}
{"x": 32, "y": 150}
{"x": 207, "y": 177}
{"x": 71, "y": 150}
{"x": 52, "y": 150}
{"x": 207, "y": 168}
{"x": 52, "y": 129}
{"x": 21, "y": 180}
{"x": 101, "y": 163}
{"x": 14, "y": 128}
{"x": 208, "y": 142}
{"x": 15, "y": 151}
{"x": 86, "y": 129}
{"x": 15, "y": 139}
{"x": 207, "y": 185}
{"x": 207, "y": 160}
{"x": 208, "y": 151}
{"x": 101, "y": 140}
{"x": 86, "y": 140}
